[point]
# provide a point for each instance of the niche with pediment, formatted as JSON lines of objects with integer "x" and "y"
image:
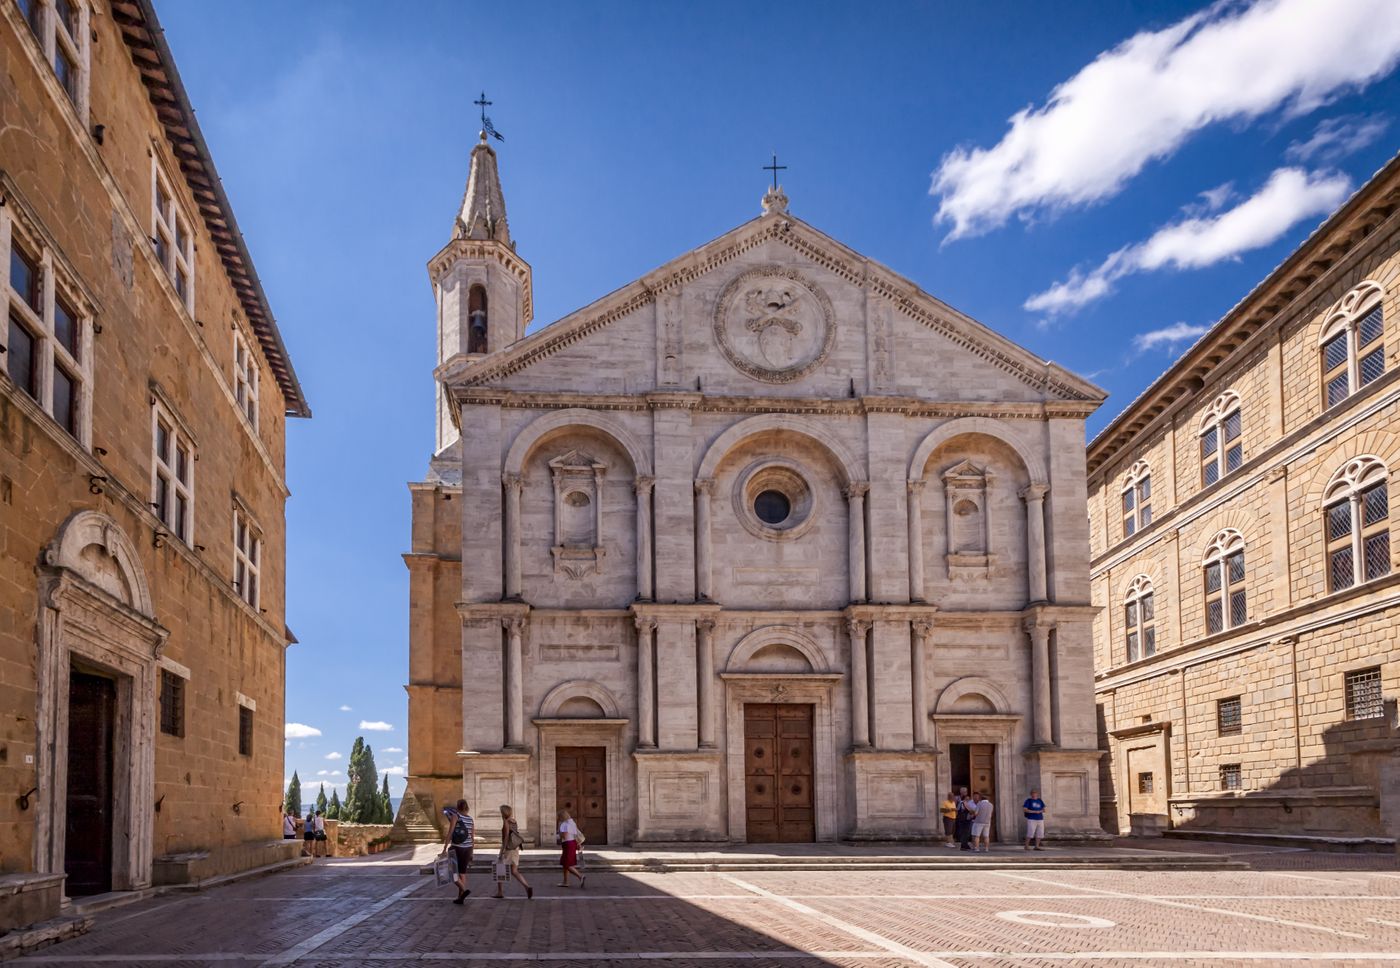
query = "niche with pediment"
{"x": 969, "y": 522}
{"x": 578, "y": 514}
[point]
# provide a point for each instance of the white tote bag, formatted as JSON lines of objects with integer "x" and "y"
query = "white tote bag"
{"x": 500, "y": 871}
{"x": 445, "y": 869}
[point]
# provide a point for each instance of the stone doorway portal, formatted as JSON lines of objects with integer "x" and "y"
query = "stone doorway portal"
{"x": 973, "y": 765}
{"x": 778, "y": 796}
{"x": 92, "y": 713}
{"x": 581, "y": 787}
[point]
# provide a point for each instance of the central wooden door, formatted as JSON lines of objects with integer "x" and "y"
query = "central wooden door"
{"x": 581, "y": 787}
{"x": 92, "y": 708}
{"x": 778, "y": 773}
{"x": 974, "y": 765}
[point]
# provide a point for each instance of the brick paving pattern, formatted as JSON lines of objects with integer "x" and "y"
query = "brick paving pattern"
{"x": 1294, "y": 907}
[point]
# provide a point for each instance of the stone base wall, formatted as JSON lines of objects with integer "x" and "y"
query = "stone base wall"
{"x": 29, "y": 898}
{"x": 352, "y": 839}
{"x": 192, "y": 867}
{"x": 1340, "y": 812}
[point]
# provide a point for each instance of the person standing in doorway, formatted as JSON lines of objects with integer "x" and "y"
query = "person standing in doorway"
{"x": 511, "y": 842}
{"x": 570, "y": 839}
{"x": 962, "y": 824}
{"x": 982, "y": 823}
{"x": 323, "y": 849}
{"x": 1034, "y": 809}
{"x": 460, "y": 839}
{"x": 948, "y": 810}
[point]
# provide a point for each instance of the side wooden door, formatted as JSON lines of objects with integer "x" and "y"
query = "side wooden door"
{"x": 778, "y": 798}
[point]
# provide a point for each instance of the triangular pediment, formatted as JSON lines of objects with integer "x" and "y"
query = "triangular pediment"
{"x": 766, "y": 298}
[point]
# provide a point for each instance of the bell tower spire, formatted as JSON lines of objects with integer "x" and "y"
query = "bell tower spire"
{"x": 482, "y": 287}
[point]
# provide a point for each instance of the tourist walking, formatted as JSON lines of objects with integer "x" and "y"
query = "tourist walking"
{"x": 962, "y": 822}
{"x": 1034, "y": 809}
{"x": 949, "y": 812}
{"x": 570, "y": 839}
{"x": 323, "y": 849}
{"x": 460, "y": 838}
{"x": 982, "y": 823}
{"x": 511, "y": 842}
{"x": 308, "y": 835}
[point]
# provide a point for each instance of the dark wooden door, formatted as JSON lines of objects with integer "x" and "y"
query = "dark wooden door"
{"x": 92, "y": 707}
{"x": 982, "y": 777}
{"x": 581, "y": 787}
{"x": 778, "y": 773}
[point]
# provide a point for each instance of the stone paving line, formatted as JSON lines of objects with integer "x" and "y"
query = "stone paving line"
{"x": 338, "y": 914}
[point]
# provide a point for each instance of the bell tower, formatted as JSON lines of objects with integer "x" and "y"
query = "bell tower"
{"x": 482, "y": 287}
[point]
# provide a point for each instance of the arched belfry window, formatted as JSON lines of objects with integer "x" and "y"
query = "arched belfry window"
{"x": 1226, "y": 604}
{"x": 476, "y": 319}
{"x": 1357, "y": 521}
{"x": 1137, "y": 499}
{"x": 1353, "y": 343}
{"x": 1139, "y": 619}
{"x": 1222, "y": 448}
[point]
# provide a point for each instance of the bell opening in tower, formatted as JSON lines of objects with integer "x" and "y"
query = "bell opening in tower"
{"x": 476, "y": 314}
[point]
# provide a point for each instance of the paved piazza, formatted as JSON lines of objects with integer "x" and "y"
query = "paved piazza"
{"x": 1293, "y": 907}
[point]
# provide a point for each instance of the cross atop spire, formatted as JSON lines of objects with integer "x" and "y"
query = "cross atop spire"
{"x": 483, "y": 211}
{"x": 487, "y": 128}
{"x": 775, "y": 199}
{"x": 774, "y": 167}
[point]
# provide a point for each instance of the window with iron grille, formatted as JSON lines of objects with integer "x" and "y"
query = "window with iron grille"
{"x": 1144, "y": 783}
{"x": 1356, "y": 524}
{"x": 1230, "y": 778}
{"x": 172, "y": 703}
{"x": 1227, "y": 716}
{"x": 1226, "y": 599}
{"x": 245, "y": 731}
{"x": 1363, "y": 692}
{"x": 1353, "y": 343}
{"x": 1222, "y": 449}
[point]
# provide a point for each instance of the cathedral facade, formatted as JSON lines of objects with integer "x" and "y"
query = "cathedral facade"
{"x": 766, "y": 546}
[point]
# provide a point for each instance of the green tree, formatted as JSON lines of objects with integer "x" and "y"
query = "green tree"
{"x": 293, "y": 799}
{"x": 321, "y": 799}
{"x": 333, "y": 811}
{"x": 362, "y": 802}
{"x": 386, "y": 813}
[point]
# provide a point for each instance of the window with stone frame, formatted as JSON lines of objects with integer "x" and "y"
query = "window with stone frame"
{"x": 245, "y": 731}
{"x": 172, "y": 703}
{"x": 1137, "y": 499}
{"x": 1139, "y": 619}
{"x": 247, "y": 558}
{"x": 1356, "y": 523}
{"x": 47, "y": 338}
{"x": 245, "y": 377}
{"x": 61, "y": 29}
{"x": 1226, "y": 601}
{"x": 1231, "y": 778}
{"x": 1364, "y": 697}
{"x": 1353, "y": 343}
{"x": 1222, "y": 445}
{"x": 1229, "y": 716}
{"x": 172, "y": 473}
{"x": 172, "y": 235}
{"x": 1144, "y": 782}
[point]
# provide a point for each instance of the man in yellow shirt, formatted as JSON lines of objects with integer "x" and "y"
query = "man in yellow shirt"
{"x": 949, "y": 811}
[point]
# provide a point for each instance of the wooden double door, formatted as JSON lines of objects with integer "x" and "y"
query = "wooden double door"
{"x": 974, "y": 765}
{"x": 581, "y": 787}
{"x": 778, "y": 800}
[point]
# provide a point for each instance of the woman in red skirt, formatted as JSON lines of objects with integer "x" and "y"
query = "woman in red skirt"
{"x": 570, "y": 838}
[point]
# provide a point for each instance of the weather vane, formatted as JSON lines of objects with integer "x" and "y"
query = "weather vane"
{"x": 488, "y": 128}
{"x": 774, "y": 167}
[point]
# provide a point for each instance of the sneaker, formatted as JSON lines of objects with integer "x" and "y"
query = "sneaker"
{"x": 529, "y": 893}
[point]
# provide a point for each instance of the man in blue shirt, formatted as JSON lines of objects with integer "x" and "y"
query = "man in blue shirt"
{"x": 1034, "y": 809}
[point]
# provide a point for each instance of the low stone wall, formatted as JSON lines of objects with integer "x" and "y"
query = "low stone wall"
{"x": 28, "y": 898}
{"x": 1334, "y": 812}
{"x": 193, "y": 866}
{"x": 352, "y": 839}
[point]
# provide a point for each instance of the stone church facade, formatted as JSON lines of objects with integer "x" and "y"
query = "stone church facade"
{"x": 1248, "y": 638}
{"x": 768, "y": 545}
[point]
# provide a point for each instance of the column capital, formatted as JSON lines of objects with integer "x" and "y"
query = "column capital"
{"x": 706, "y": 625}
{"x": 645, "y": 623}
{"x": 1034, "y": 492}
{"x": 705, "y": 486}
{"x": 514, "y": 624}
{"x": 857, "y": 489}
{"x": 916, "y": 487}
{"x": 856, "y": 627}
{"x": 512, "y": 481}
{"x": 643, "y": 485}
{"x": 1037, "y": 625}
{"x": 922, "y": 627}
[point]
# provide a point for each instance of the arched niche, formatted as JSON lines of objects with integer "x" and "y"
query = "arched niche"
{"x": 571, "y": 699}
{"x": 785, "y": 423}
{"x": 987, "y": 426}
{"x": 972, "y": 694}
{"x": 541, "y": 428}
{"x": 784, "y": 650}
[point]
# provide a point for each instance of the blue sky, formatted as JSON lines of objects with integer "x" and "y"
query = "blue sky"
{"x": 1095, "y": 181}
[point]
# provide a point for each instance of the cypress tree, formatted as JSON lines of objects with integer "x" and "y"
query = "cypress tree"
{"x": 386, "y": 813}
{"x": 293, "y": 798}
{"x": 333, "y": 811}
{"x": 321, "y": 799}
{"x": 362, "y": 802}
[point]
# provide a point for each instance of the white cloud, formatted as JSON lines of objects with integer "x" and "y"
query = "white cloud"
{"x": 333, "y": 756}
{"x": 392, "y": 771}
{"x": 377, "y": 726}
{"x": 345, "y": 709}
{"x": 1141, "y": 100}
{"x": 1168, "y": 337}
{"x": 1289, "y": 195}
{"x": 300, "y": 731}
{"x": 1336, "y": 138}
{"x": 392, "y": 749}
{"x": 328, "y": 773}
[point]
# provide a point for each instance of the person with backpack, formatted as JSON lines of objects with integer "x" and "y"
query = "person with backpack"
{"x": 570, "y": 839}
{"x": 459, "y": 840}
{"x": 511, "y": 842}
{"x": 962, "y": 825}
{"x": 308, "y": 842}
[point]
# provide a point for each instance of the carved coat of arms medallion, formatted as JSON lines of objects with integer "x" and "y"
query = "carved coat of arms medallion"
{"x": 774, "y": 324}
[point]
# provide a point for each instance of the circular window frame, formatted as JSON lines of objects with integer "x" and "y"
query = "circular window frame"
{"x": 787, "y": 478}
